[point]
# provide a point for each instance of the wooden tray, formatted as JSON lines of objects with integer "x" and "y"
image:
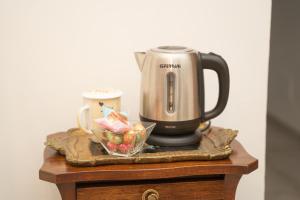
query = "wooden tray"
{"x": 78, "y": 148}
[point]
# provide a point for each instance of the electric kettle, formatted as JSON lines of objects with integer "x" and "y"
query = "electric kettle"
{"x": 172, "y": 92}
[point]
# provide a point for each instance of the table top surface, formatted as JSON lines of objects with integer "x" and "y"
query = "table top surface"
{"x": 56, "y": 170}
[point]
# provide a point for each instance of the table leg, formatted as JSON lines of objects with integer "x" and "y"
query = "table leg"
{"x": 67, "y": 191}
{"x": 230, "y": 184}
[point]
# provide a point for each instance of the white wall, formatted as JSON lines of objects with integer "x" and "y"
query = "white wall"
{"x": 51, "y": 51}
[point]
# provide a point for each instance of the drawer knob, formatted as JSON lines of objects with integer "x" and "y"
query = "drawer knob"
{"x": 150, "y": 194}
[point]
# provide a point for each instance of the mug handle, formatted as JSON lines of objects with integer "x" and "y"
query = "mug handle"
{"x": 81, "y": 118}
{"x": 218, "y": 64}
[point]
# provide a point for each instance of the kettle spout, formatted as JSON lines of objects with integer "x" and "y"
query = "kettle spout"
{"x": 140, "y": 57}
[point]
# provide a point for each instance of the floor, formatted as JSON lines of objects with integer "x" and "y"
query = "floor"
{"x": 282, "y": 162}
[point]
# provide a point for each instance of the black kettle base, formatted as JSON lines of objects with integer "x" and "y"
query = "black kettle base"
{"x": 175, "y": 142}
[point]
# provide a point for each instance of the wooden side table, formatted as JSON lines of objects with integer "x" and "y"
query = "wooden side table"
{"x": 204, "y": 180}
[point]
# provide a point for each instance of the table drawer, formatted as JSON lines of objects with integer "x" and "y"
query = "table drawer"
{"x": 189, "y": 189}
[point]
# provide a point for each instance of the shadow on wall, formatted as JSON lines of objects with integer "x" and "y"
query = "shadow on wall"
{"x": 283, "y": 124}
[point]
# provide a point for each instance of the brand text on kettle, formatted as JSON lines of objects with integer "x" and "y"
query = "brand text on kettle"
{"x": 170, "y": 66}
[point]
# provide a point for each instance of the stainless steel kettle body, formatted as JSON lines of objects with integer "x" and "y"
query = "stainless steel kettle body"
{"x": 172, "y": 88}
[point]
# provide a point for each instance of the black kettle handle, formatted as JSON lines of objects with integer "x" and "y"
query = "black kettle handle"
{"x": 218, "y": 64}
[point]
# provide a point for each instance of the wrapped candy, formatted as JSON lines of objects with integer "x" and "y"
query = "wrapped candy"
{"x": 113, "y": 121}
{"x": 113, "y": 126}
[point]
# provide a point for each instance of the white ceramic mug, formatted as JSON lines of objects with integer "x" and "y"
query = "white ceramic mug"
{"x": 93, "y": 101}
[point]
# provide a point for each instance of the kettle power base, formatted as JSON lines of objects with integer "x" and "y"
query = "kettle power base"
{"x": 176, "y": 142}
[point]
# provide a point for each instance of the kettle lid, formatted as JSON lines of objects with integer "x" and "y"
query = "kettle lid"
{"x": 172, "y": 49}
